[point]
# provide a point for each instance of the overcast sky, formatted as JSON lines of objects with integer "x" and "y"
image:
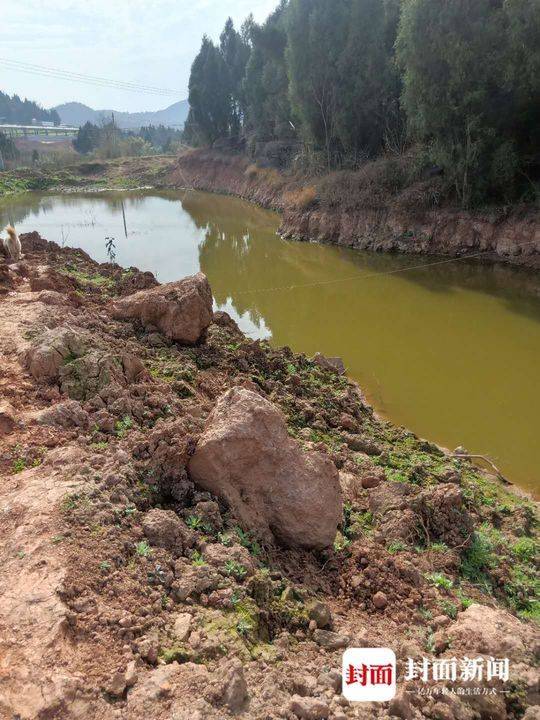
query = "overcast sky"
{"x": 152, "y": 42}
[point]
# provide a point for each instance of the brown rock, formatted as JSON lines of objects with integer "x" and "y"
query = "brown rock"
{"x": 66, "y": 414}
{"x": 309, "y": 708}
{"x": 55, "y": 348}
{"x": 218, "y": 555}
{"x": 400, "y": 706}
{"x": 372, "y": 478}
{"x": 380, "y": 600}
{"x": 330, "y": 640}
{"x": 235, "y": 691}
{"x": 117, "y": 684}
{"x": 180, "y": 310}
{"x": 489, "y": 631}
{"x": 131, "y": 673}
{"x": 33, "y": 242}
{"x": 7, "y": 418}
{"x": 320, "y": 612}
{"x": 333, "y": 364}
{"x": 246, "y": 457}
{"x": 182, "y": 626}
{"x": 347, "y": 422}
{"x": 163, "y": 529}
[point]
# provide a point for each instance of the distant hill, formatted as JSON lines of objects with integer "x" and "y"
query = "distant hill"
{"x": 74, "y": 113}
{"x": 22, "y": 112}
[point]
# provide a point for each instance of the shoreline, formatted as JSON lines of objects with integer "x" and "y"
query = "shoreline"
{"x": 509, "y": 236}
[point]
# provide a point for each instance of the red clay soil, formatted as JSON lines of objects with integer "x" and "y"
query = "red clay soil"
{"x": 128, "y": 592}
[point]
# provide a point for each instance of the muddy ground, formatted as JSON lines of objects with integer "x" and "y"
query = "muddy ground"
{"x": 128, "y": 592}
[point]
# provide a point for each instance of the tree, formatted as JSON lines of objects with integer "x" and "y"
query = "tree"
{"x": 235, "y": 53}
{"x": 23, "y": 112}
{"x": 8, "y": 149}
{"x": 87, "y": 140}
{"x": 316, "y": 29}
{"x": 209, "y": 95}
{"x": 368, "y": 113}
{"x": 266, "y": 83}
{"x": 461, "y": 93}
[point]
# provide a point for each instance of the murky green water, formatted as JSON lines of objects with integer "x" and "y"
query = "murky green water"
{"x": 450, "y": 351}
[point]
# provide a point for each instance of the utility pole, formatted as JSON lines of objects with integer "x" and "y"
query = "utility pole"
{"x": 2, "y": 166}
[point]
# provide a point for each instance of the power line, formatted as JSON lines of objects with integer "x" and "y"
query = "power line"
{"x": 95, "y": 80}
{"x": 367, "y": 276}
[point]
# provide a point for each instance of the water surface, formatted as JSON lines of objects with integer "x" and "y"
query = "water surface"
{"x": 451, "y": 351}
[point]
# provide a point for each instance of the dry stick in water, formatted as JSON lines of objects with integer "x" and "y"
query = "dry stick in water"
{"x": 124, "y": 216}
{"x": 466, "y": 456}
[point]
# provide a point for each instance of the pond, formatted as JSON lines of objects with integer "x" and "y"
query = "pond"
{"x": 449, "y": 350}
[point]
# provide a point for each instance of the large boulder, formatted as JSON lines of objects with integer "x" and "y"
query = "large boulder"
{"x": 246, "y": 457}
{"x": 180, "y": 310}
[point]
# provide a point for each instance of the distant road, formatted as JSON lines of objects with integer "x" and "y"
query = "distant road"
{"x": 28, "y": 131}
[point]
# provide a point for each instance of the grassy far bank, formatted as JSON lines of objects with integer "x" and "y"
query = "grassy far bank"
{"x": 121, "y": 174}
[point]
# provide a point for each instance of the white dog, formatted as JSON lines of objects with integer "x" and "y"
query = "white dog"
{"x": 12, "y": 243}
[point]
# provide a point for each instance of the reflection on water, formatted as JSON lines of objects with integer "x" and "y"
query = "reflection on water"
{"x": 451, "y": 351}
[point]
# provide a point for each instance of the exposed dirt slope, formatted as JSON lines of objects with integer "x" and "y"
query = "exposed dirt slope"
{"x": 128, "y": 592}
{"x": 389, "y": 224}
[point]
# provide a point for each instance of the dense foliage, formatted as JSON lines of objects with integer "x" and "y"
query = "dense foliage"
{"x": 22, "y": 112}
{"x": 454, "y": 83}
{"x": 109, "y": 141}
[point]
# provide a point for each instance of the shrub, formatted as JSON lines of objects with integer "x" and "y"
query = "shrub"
{"x": 302, "y": 199}
{"x": 251, "y": 171}
{"x": 371, "y": 186}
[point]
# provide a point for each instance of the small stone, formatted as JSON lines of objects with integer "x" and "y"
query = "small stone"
{"x": 330, "y": 640}
{"x": 131, "y": 674}
{"x": 347, "y": 422}
{"x": 372, "y": 479}
{"x": 440, "y": 642}
{"x": 117, "y": 684}
{"x": 380, "y": 600}
{"x": 441, "y": 621}
{"x": 235, "y": 692}
{"x": 182, "y": 626}
{"x": 333, "y": 364}
{"x": 320, "y": 612}
{"x": 7, "y": 418}
{"x": 163, "y": 529}
{"x": 331, "y": 679}
{"x": 312, "y": 625}
{"x": 400, "y": 706}
{"x": 309, "y": 708}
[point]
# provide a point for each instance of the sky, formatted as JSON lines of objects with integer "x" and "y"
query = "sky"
{"x": 151, "y": 42}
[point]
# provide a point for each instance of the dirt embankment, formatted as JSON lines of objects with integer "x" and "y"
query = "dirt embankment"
{"x": 329, "y": 210}
{"x": 154, "y": 561}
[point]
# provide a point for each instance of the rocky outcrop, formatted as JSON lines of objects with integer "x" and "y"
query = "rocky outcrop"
{"x": 181, "y": 310}
{"x": 246, "y": 457}
{"x": 515, "y": 239}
